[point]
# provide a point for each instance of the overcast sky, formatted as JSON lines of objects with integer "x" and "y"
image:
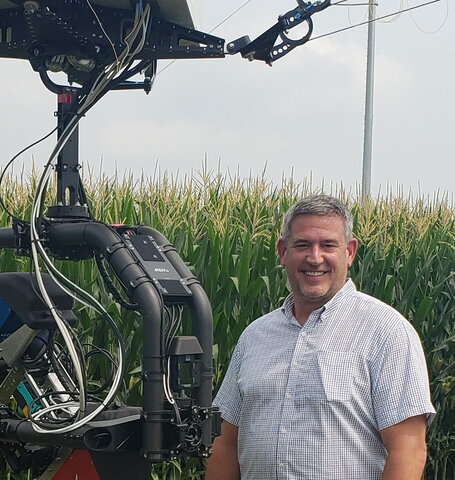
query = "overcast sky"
{"x": 303, "y": 117}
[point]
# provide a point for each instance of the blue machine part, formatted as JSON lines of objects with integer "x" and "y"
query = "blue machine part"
{"x": 9, "y": 321}
{"x": 24, "y": 396}
{"x": 5, "y": 311}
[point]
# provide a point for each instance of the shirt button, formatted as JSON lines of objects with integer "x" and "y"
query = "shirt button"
{"x": 281, "y": 464}
{"x": 289, "y": 396}
{"x": 283, "y": 430}
{"x": 295, "y": 364}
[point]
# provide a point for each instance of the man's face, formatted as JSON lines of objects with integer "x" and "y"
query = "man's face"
{"x": 316, "y": 257}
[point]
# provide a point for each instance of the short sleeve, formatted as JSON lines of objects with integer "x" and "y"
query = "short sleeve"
{"x": 228, "y": 399}
{"x": 400, "y": 386}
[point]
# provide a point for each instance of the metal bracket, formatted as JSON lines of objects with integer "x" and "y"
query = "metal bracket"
{"x": 16, "y": 344}
{"x": 169, "y": 40}
{"x": 62, "y": 456}
{"x": 9, "y": 384}
{"x": 268, "y": 47}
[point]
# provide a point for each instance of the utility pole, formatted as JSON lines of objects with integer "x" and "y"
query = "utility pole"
{"x": 368, "y": 124}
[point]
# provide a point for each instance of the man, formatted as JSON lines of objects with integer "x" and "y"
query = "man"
{"x": 333, "y": 385}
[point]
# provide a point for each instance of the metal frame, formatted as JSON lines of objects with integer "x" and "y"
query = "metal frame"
{"x": 56, "y": 35}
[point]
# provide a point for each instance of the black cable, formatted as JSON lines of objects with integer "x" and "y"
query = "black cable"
{"x": 100, "y": 351}
{"x": 119, "y": 339}
{"x": 110, "y": 285}
{"x": 55, "y": 361}
{"x": 39, "y": 359}
{"x": 49, "y": 423}
{"x": 2, "y": 175}
{"x": 85, "y": 99}
{"x": 175, "y": 323}
{"x": 106, "y": 316}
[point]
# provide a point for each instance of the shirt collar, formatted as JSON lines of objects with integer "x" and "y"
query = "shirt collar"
{"x": 347, "y": 289}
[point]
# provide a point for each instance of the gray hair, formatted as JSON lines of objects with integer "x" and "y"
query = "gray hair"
{"x": 318, "y": 205}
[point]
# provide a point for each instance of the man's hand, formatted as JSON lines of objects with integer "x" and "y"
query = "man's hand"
{"x": 406, "y": 448}
{"x": 224, "y": 464}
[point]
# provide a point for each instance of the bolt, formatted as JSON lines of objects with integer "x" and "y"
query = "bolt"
{"x": 30, "y": 6}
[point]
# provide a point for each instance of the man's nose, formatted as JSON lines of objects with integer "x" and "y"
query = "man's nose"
{"x": 314, "y": 256}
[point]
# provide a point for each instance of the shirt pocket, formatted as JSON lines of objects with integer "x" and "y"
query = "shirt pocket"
{"x": 336, "y": 370}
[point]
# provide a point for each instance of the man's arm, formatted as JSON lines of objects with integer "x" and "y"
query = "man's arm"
{"x": 406, "y": 448}
{"x": 224, "y": 464}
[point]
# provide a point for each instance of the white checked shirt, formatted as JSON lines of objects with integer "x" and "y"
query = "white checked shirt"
{"x": 310, "y": 400}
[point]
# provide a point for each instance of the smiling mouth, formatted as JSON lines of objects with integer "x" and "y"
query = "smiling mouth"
{"x": 314, "y": 274}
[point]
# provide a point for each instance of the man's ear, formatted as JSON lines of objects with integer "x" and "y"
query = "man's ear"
{"x": 352, "y": 247}
{"x": 281, "y": 248}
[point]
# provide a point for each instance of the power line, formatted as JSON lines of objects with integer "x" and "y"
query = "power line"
{"x": 437, "y": 29}
{"x": 232, "y": 14}
{"x": 349, "y": 5}
{"x": 213, "y": 29}
{"x": 375, "y": 20}
{"x": 325, "y": 34}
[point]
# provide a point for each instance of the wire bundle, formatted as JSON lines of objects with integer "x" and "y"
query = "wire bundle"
{"x": 74, "y": 409}
{"x": 174, "y": 315}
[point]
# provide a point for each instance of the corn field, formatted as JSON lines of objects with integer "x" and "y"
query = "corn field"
{"x": 226, "y": 229}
